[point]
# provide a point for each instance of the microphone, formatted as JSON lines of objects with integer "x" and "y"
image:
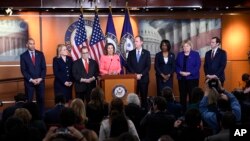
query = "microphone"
{"x": 110, "y": 64}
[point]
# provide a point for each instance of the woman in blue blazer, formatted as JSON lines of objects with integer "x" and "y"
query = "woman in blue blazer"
{"x": 188, "y": 64}
{"x": 62, "y": 68}
{"x": 164, "y": 66}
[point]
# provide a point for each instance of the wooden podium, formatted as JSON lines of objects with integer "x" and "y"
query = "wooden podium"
{"x": 113, "y": 83}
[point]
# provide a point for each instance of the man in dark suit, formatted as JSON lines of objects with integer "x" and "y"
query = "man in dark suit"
{"x": 33, "y": 68}
{"x": 215, "y": 61}
{"x": 85, "y": 72}
{"x": 139, "y": 63}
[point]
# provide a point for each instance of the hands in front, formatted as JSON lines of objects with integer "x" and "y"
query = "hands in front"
{"x": 36, "y": 81}
{"x": 184, "y": 73}
{"x": 68, "y": 83}
{"x": 71, "y": 131}
{"x": 165, "y": 77}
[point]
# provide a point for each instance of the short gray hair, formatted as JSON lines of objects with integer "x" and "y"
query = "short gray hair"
{"x": 133, "y": 98}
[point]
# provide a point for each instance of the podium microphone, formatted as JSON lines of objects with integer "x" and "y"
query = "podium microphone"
{"x": 110, "y": 64}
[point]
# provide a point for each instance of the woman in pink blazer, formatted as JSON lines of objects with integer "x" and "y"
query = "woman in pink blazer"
{"x": 110, "y": 62}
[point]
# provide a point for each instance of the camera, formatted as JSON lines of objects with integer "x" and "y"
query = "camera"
{"x": 62, "y": 131}
{"x": 214, "y": 83}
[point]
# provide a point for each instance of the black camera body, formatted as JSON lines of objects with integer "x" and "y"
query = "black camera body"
{"x": 214, "y": 83}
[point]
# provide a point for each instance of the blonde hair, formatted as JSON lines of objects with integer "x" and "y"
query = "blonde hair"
{"x": 188, "y": 42}
{"x": 213, "y": 96}
{"x": 79, "y": 108}
{"x": 59, "y": 49}
{"x": 23, "y": 114}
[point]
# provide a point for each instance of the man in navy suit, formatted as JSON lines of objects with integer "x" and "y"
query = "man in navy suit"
{"x": 85, "y": 72}
{"x": 139, "y": 63}
{"x": 33, "y": 68}
{"x": 215, "y": 61}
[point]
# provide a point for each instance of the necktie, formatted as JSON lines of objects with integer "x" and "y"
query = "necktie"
{"x": 212, "y": 55}
{"x": 138, "y": 56}
{"x": 86, "y": 65}
{"x": 33, "y": 57}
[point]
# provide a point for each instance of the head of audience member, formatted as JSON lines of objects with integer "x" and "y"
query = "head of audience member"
{"x": 79, "y": 108}
{"x": 167, "y": 93}
{"x": 215, "y": 42}
{"x": 133, "y": 98}
{"x": 30, "y": 44}
{"x": 96, "y": 96}
{"x": 60, "y": 99}
{"x": 33, "y": 109}
{"x": 165, "y": 46}
{"x": 90, "y": 135}
{"x": 187, "y": 46}
{"x": 61, "y": 50}
{"x": 67, "y": 117}
{"x": 138, "y": 42}
{"x": 165, "y": 138}
{"x": 23, "y": 114}
{"x": 159, "y": 104}
{"x": 228, "y": 120}
{"x": 15, "y": 129}
{"x": 246, "y": 79}
{"x": 20, "y": 97}
{"x": 193, "y": 118}
{"x": 119, "y": 125}
{"x": 85, "y": 53}
{"x": 109, "y": 49}
{"x": 116, "y": 107}
{"x": 197, "y": 95}
{"x": 126, "y": 136}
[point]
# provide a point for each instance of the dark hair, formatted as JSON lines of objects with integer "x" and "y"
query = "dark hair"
{"x": 96, "y": 97}
{"x": 167, "y": 43}
{"x": 84, "y": 47}
{"x": 67, "y": 117}
{"x": 196, "y": 95}
{"x": 60, "y": 98}
{"x": 119, "y": 125}
{"x": 228, "y": 120}
{"x": 217, "y": 39}
{"x": 193, "y": 118}
{"x": 106, "y": 48}
{"x": 141, "y": 38}
{"x": 167, "y": 93}
{"x": 245, "y": 77}
{"x": 160, "y": 102}
{"x": 20, "y": 97}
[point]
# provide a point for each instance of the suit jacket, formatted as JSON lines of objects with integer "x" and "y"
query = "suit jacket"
{"x": 78, "y": 71}
{"x": 63, "y": 72}
{"x": 192, "y": 65}
{"x": 108, "y": 64}
{"x": 217, "y": 65}
{"x": 141, "y": 67}
{"x": 161, "y": 67}
{"x": 33, "y": 71}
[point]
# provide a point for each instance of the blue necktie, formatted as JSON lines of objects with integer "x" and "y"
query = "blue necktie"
{"x": 138, "y": 56}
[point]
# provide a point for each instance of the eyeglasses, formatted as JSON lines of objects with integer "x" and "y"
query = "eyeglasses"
{"x": 85, "y": 52}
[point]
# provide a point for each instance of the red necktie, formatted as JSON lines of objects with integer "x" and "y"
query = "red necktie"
{"x": 86, "y": 65}
{"x": 33, "y": 58}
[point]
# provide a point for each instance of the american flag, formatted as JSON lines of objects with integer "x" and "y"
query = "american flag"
{"x": 80, "y": 39}
{"x": 97, "y": 40}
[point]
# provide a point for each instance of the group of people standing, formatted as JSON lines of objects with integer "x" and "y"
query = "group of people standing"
{"x": 84, "y": 72}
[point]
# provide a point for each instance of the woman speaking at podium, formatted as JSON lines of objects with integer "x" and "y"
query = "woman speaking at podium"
{"x": 110, "y": 62}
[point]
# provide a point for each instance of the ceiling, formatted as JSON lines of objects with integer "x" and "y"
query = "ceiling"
{"x": 118, "y": 5}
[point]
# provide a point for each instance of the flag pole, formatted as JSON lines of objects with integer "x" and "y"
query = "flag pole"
{"x": 81, "y": 9}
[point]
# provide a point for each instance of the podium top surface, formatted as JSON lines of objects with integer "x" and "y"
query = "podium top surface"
{"x": 122, "y": 76}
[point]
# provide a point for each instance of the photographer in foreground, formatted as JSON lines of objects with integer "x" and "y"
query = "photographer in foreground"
{"x": 215, "y": 102}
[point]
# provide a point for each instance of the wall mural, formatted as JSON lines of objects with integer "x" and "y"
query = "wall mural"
{"x": 199, "y": 31}
{"x": 13, "y": 37}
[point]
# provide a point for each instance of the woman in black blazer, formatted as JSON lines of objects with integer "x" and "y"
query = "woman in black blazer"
{"x": 62, "y": 68}
{"x": 164, "y": 66}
